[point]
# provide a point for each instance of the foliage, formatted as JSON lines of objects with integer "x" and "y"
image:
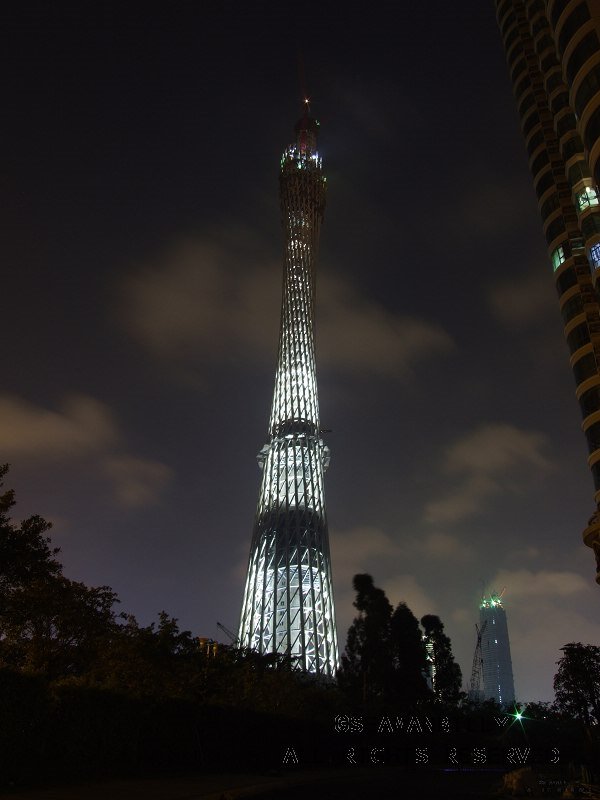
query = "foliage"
{"x": 48, "y": 624}
{"x": 157, "y": 660}
{"x": 448, "y": 677}
{"x": 409, "y": 657}
{"x": 366, "y": 662}
{"x": 56, "y": 626}
{"x": 577, "y": 682}
{"x": 70, "y": 635}
{"x": 384, "y": 658}
{"x": 25, "y": 553}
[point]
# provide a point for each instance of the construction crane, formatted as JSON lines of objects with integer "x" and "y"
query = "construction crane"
{"x": 228, "y": 633}
{"x": 475, "y": 685}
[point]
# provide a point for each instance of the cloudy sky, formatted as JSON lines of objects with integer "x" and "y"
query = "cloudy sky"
{"x": 141, "y": 277}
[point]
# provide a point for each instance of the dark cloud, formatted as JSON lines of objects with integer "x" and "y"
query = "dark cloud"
{"x": 523, "y": 301}
{"x": 83, "y": 425}
{"x": 83, "y": 430}
{"x": 206, "y": 297}
{"x": 486, "y": 462}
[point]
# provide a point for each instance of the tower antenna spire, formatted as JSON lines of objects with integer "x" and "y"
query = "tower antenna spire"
{"x": 302, "y": 82}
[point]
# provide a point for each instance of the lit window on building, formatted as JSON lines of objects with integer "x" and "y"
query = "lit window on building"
{"x": 595, "y": 256}
{"x": 558, "y": 257}
{"x": 586, "y": 198}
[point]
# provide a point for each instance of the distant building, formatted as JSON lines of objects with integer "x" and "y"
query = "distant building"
{"x": 497, "y": 673}
{"x": 553, "y": 54}
{"x": 430, "y": 670}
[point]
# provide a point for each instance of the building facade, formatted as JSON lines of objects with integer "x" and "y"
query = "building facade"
{"x": 496, "y": 663}
{"x": 288, "y": 600}
{"x": 430, "y": 650}
{"x": 553, "y": 55}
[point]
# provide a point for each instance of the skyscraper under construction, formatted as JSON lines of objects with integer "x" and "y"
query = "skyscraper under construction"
{"x": 496, "y": 663}
{"x": 288, "y": 600}
{"x": 553, "y": 55}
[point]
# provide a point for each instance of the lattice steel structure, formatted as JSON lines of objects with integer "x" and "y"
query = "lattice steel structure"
{"x": 477, "y": 668}
{"x": 288, "y": 600}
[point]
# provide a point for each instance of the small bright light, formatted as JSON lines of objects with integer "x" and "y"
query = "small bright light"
{"x": 306, "y": 100}
{"x": 518, "y": 715}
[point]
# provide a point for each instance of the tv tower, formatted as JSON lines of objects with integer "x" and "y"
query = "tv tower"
{"x": 288, "y": 600}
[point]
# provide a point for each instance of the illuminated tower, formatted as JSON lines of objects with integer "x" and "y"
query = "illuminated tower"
{"x": 497, "y": 673}
{"x": 553, "y": 54}
{"x": 288, "y": 599}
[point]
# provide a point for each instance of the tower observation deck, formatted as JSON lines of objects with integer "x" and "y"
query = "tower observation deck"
{"x": 288, "y": 600}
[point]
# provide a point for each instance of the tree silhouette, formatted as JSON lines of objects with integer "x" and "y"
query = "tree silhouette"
{"x": 366, "y": 663}
{"x": 25, "y": 553}
{"x": 577, "y": 683}
{"x": 384, "y": 660}
{"x": 447, "y": 678}
{"x": 48, "y": 624}
{"x": 409, "y": 657}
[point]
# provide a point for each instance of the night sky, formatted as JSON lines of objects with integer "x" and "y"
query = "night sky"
{"x": 141, "y": 276}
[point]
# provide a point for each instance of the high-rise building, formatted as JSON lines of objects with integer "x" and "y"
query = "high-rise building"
{"x": 430, "y": 670}
{"x": 288, "y": 600}
{"x": 553, "y": 55}
{"x": 496, "y": 663}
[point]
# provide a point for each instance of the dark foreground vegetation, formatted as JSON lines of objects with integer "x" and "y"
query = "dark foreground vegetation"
{"x": 87, "y": 692}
